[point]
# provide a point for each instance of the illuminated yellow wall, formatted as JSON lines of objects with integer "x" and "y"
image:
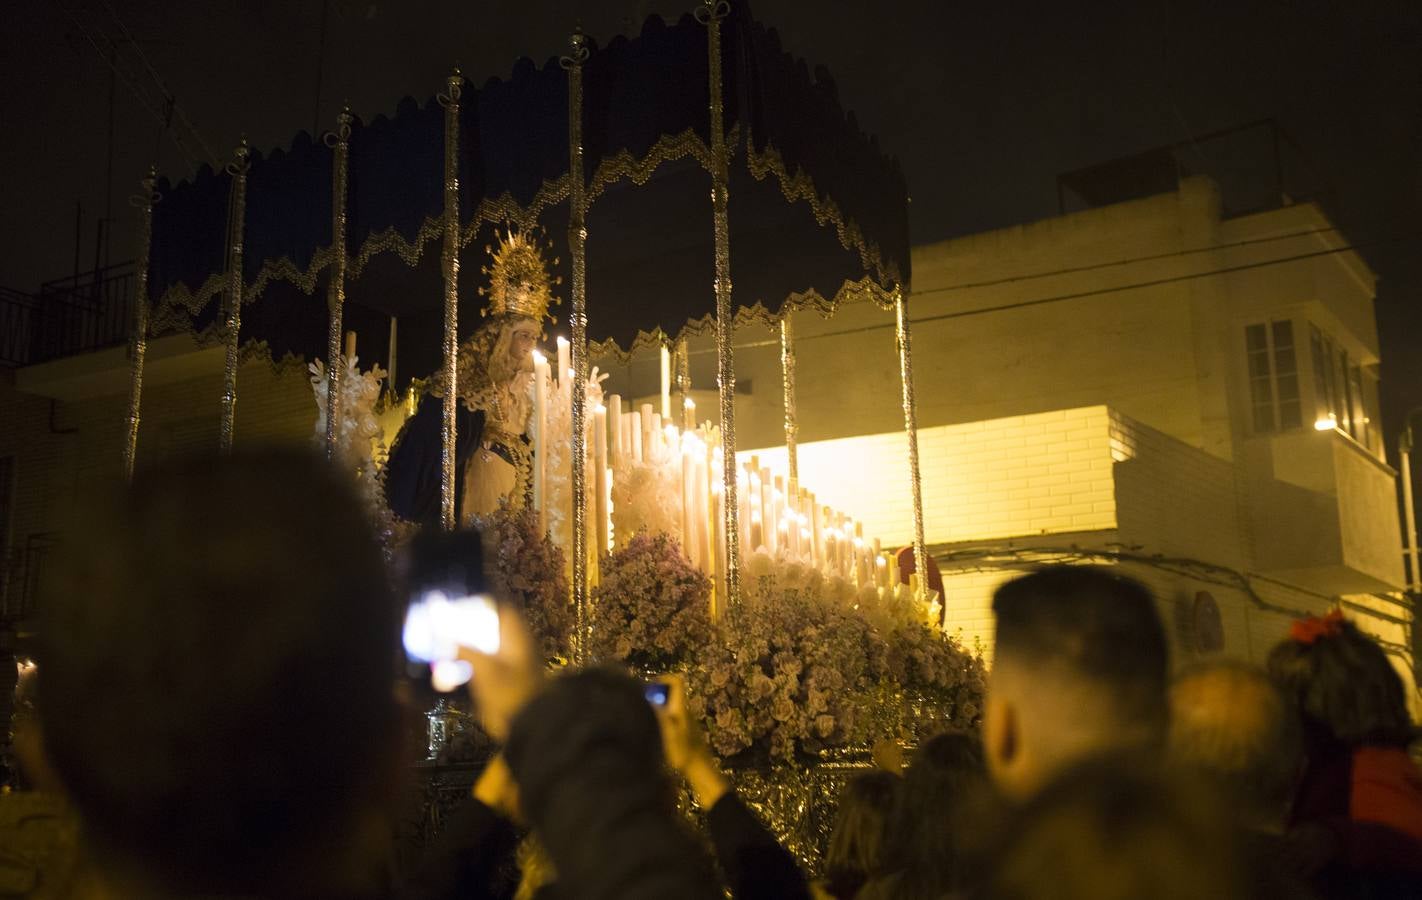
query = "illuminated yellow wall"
{"x": 1045, "y": 473}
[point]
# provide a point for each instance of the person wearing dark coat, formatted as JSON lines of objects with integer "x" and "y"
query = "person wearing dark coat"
{"x": 585, "y": 755}
{"x": 582, "y": 758}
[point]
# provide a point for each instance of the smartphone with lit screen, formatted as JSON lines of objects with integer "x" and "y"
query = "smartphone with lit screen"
{"x": 437, "y": 625}
{"x": 657, "y": 692}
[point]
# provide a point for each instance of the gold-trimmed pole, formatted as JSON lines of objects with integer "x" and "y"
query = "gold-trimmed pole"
{"x": 792, "y": 421}
{"x": 138, "y": 343}
{"x": 683, "y": 384}
{"x": 236, "y": 226}
{"x": 450, "y": 346}
{"x": 339, "y": 142}
{"x": 901, "y": 331}
{"x": 710, "y": 14}
{"x": 577, "y": 251}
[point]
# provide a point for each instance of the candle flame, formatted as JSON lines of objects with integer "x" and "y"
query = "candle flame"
{"x": 562, "y": 341}
{"x": 538, "y": 358}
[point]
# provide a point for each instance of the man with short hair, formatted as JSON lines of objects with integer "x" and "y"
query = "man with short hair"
{"x": 1231, "y": 723}
{"x": 1079, "y": 671}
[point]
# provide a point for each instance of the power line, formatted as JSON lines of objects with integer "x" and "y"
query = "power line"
{"x": 1078, "y": 295}
{"x": 1170, "y": 254}
{"x": 170, "y": 101}
{"x": 750, "y": 345}
{"x": 1156, "y": 282}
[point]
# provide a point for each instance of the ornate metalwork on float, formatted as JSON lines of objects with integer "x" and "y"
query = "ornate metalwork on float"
{"x": 745, "y": 118}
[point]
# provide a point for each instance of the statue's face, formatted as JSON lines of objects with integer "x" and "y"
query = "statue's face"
{"x": 523, "y": 339}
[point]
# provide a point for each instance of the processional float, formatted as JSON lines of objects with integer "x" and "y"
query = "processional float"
{"x": 619, "y": 147}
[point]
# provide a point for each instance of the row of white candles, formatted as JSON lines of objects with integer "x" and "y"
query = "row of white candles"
{"x": 776, "y": 518}
{"x": 786, "y": 521}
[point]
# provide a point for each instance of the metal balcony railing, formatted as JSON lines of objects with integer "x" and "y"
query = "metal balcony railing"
{"x": 89, "y": 311}
{"x": 21, "y": 572}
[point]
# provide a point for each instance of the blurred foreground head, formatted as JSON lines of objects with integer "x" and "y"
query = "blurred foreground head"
{"x": 216, "y": 684}
{"x": 1119, "y": 829}
{"x": 1229, "y": 722}
{"x": 1079, "y": 669}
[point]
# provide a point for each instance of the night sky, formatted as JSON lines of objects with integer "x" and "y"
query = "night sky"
{"x": 983, "y": 103}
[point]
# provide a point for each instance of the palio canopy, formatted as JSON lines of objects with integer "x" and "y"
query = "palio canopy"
{"x": 817, "y": 212}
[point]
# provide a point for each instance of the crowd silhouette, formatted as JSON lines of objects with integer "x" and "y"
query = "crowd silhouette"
{"x": 223, "y": 710}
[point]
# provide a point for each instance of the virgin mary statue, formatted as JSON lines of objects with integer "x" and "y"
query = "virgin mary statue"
{"x": 494, "y": 383}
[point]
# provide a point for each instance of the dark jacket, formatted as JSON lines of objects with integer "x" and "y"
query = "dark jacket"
{"x": 586, "y": 754}
{"x": 472, "y": 859}
{"x": 755, "y": 864}
{"x": 587, "y": 758}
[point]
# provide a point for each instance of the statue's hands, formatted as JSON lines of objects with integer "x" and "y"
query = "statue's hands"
{"x": 594, "y": 387}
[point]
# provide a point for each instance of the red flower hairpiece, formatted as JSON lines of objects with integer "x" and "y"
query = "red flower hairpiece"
{"x": 1308, "y": 630}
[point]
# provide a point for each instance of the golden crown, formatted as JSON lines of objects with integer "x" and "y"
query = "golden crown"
{"x": 519, "y": 283}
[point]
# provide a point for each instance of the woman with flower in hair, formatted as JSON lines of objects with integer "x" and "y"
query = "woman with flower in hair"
{"x": 1358, "y": 783}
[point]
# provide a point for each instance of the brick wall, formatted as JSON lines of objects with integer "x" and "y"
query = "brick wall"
{"x": 1174, "y": 499}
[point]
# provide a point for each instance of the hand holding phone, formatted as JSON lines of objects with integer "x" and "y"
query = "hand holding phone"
{"x": 436, "y": 626}
{"x": 505, "y": 680}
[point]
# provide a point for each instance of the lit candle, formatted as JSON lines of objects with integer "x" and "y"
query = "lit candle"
{"x": 600, "y": 529}
{"x": 817, "y": 532}
{"x": 767, "y": 508}
{"x": 701, "y": 506}
{"x": 757, "y": 537}
{"x": 744, "y": 476}
{"x": 565, "y": 358}
{"x": 649, "y": 435}
{"x": 845, "y": 550}
{"x": 607, "y": 496}
{"x": 881, "y": 571}
{"x": 666, "y": 382}
{"x": 540, "y": 436}
{"x": 688, "y": 501}
{"x": 777, "y": 512}
{"x": 688, "y": 414}
{"x": 718, "y": 496}
{"x": 614, "y": 415}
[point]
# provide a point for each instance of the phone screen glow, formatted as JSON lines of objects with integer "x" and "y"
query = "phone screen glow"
{"x": 436, "y": 626}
